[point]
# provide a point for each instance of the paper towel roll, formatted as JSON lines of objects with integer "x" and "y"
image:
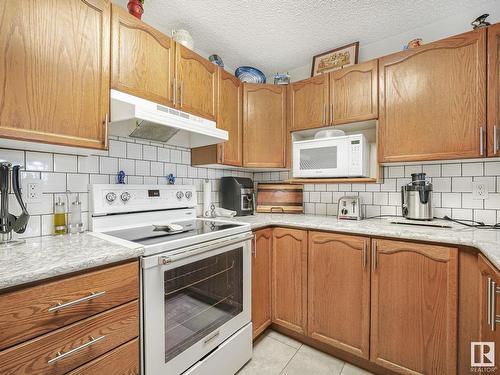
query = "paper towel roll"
{"x": 207, "y": 197}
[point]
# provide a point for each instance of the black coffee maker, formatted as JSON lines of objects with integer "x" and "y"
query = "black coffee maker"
{"x": 237, "y": 194}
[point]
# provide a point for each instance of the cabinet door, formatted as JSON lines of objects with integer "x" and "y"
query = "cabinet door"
{"x": 494, "y": 90}
{"x": 54, "y": 71}
{"x": 338, "y": 307}
{"x": 197, "y": 83}
{"x": 414, "y": 307}
{"x": 229, "y": 117}
{"x": 143, "y": 59}
{"x": 308, "y": 103}
{"x": 489, "y": 309}
{"x": 354, "y": 93}
{"x": 261, "y": 281}
{"x": 264, "y": 125}
{"x": 433, "y": 100}
{"x": 289, "y": 279}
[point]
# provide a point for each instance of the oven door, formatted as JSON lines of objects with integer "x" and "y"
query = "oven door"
{"x": 193, "y": 301}
{"x": 321, "y": 158}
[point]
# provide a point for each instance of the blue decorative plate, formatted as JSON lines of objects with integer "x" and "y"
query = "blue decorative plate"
{"x": 250, "y": 75}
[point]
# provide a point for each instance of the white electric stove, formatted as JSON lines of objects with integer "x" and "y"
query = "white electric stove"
{"x": 195, "y": 277}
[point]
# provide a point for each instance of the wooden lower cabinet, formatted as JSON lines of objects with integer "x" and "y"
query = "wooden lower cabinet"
{"x": 289, "y": 279}
{"x": 414, "y": 307}
{"x": 339, "y": 291}
{"x": 489, "y": 310}
{"x": 261, "y": 280}
{"x": 124, "y": 360}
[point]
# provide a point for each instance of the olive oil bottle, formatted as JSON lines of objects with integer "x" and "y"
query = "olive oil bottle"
{"x": 60, "y": 217}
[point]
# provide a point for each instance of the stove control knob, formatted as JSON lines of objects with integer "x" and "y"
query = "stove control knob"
{"x": 125, "y": 197}
{"x": 179, "y": 195}
{"x": 189, "y": 194}
{"x": 110, "y": 197}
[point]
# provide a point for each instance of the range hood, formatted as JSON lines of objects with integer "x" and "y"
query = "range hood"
{"x": 140, "y": 118}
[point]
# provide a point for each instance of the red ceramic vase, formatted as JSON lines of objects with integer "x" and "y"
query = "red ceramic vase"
{"x": 135, "y": 8}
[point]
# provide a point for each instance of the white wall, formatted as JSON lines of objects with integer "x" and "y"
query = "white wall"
{"x": 449, "y": 26}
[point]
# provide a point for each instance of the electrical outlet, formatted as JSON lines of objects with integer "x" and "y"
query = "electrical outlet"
{"x": 479, "y": 190}
{"x": 32, "y": 190}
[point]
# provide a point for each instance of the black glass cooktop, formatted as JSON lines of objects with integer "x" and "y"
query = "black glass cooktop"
{"x": 151, "y": 235}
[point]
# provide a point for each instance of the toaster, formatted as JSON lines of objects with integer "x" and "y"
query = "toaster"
{"x": 349, "y": 208}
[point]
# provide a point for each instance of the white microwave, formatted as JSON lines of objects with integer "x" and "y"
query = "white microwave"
{"x": 345, "y": 156}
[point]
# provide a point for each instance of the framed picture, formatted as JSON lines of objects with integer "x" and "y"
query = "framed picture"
{"x": 335, "y": 59}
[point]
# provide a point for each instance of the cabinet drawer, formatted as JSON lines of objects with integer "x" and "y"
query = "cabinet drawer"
{"x": 124, "y": 360}
{"x": 30, "y": 312}
{"x": 70, "y": 347}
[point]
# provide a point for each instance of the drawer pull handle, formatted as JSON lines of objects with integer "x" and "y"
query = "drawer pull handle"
{"x": 60, "y": 355}
{"x": 60, "y": 305}
{"x": 211, "y": 337}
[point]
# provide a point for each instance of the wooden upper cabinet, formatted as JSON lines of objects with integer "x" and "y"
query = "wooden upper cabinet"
{"x": 264, "y": 125}
{"x": 197, "y": 83}
{"x": 489, "y": 306}
{"x": 339, "y": 291}
{"x": 494, "y": 90}
{"x": 433, "y": 100}
{"x": 414, "y": 307}
{"x": 54, "y": 71}
{"x": 229, "y": 118}
{"x": 354, "y": 93}
{"x": 308, "y": 103}
{"x": 261, "y": 280}
{"x": 142, "y": 59}
{"x": 289, "y": 279}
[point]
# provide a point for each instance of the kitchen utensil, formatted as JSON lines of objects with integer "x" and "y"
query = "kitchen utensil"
{"x": 416, "y": 198}
{"x": 21, "y": 222}
{"x": 349, "y": 208}
{"x": 280, "y": 198}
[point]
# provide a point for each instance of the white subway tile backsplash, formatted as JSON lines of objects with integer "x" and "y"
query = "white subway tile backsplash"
{"x": 315, "y": 196}
{"x": 157, "y": 169}
{"x": 176, "y": 156}
{"x": 326, "y": 197}
{"x": 108, "y": 165}
{"x": 149, "y": 153}
{"x": 486, "y": 216}
{"x": 472, "y": 169}
{"x": 117, "y": 149}
{"x": 39, "y": 161}
{"x": 163, "y": 154}
{"x": 134, "y": 151}
{"x": 88, "y": 164}
{"x": 78, "y": 183}
{"x": 493, "y": 202}
{"x": 432, "y": 170}
{"x": 468, "y": 201}
{"x": 15, "y": 157}
{"x": 380, "y": 199}
{"x": 409, "y": 169}
{"x": 127, "y": 166}
{"x": 451, "y": 170}
{"x": 462, "y": 184}
{"x": 451, "y": 200}
{"x": 65, "y": 163}
{"x": 461, "y": 213}
{"x": 441, "y": 184}
{"x": 53, "y": 182}
{"x": 142, "y": 168}
{"x": 492, "y": 168}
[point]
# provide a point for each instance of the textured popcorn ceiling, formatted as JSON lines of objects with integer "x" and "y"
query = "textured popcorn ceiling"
{"x": 279, "y": 35}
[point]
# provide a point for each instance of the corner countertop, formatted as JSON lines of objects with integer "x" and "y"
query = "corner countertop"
{"x": 44, "y": 257}
{"x": 487, "y": 241}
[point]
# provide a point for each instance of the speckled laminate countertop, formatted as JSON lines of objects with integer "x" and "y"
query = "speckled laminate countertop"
{"x": 487, "y": 241}
{"x": 43, "y": 257}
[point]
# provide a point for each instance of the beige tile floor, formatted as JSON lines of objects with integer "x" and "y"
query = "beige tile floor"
{"x": 276, "y": 354}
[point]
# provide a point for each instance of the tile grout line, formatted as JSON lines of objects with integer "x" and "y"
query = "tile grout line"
{"x": 293, "y": 356}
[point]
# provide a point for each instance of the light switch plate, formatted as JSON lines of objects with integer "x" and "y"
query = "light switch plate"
{"x": 32, "y": 190}
{"x": 479, "y": 190}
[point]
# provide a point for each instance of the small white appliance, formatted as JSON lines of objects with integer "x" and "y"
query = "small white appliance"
{"x": 135, "y": 117}
{"x": 195, "y": 277}
{"x": 349, "y": 208}
{"x": 344, "y": 156}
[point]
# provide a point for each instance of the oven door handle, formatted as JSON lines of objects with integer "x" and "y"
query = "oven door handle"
{"x": 164, "y": 260}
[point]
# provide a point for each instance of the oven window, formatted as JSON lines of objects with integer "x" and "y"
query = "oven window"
{"x": 319, "y": 158}
{"x": 200, "y": 297}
